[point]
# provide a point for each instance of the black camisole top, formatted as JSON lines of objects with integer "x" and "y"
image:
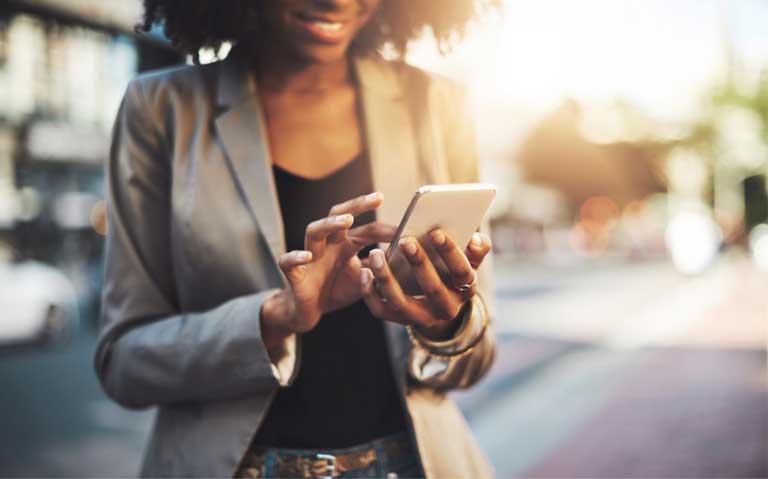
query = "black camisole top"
{"x": 345, "y": 392}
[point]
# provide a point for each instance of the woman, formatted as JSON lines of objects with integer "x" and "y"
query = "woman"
{"x": 239, "y": 295}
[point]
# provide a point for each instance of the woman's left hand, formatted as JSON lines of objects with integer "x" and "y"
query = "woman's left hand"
{"x": 433, "y": 312}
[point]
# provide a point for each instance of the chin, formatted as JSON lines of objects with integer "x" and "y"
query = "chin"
{"x": 323, "y": 53}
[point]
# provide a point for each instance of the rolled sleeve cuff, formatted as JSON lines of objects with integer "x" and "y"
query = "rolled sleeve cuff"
{"x": 470, "y": 332}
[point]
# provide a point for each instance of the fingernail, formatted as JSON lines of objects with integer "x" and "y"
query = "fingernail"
{"x": 364, "y": 278}
{"x": 343, "y": 218}
{"x": 409, "y": 245}
{"x": 378, "y": 259}
{"x": 438, "y": 237}
{"x": 476, "y": 241}
{"x": 304, "y": 255}
{"x": 373, "y": 196}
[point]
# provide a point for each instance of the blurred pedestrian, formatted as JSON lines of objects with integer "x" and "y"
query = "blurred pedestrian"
{"x": 243, "y": 292}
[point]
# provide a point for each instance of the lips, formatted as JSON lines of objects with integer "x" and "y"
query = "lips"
{"x": 323, "y": 29}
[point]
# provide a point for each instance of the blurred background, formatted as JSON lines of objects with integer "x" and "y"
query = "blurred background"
{"x": 629, "y": 143}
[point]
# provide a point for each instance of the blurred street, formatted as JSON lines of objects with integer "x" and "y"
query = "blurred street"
{"x": 627, "y": 370}
{"x": 604, "y": 369}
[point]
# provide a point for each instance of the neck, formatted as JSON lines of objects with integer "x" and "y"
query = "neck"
{"x": 282, "y": 72}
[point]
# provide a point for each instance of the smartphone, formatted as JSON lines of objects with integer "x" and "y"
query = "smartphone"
{"x": 457, "y": 209}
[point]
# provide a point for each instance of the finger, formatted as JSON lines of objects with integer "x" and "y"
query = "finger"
{"x": 358, "y": 205}
{"x": 292, "y": 263}
{"x": 458, "y": 265}
{"x": 374, "y": 232}
{"x": 383, "y": 310}
{"x": 355, "y": 207}
{"x": 349, "y": 270}
{"x": 445, "y": 303}
{"x": 317, "y": 232}
{"x": 386, "y": 284}
{"x": 478, "y": 248}
{"x": 362, "y": 236}
{"x": 371, "y": 298}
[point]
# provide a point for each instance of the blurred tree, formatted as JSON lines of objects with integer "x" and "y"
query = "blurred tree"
{"x": 734, "y": 135}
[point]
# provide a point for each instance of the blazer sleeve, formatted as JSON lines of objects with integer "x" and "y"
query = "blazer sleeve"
{"x": 149, "y": 352}
{"x": 464, "y": 359}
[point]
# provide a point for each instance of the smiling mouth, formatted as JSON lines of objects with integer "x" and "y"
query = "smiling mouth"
{"x": 328, "y": 26}
{"x": 323, "y": 28}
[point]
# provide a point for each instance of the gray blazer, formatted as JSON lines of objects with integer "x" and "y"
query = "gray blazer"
{"x": 194, "y": 233}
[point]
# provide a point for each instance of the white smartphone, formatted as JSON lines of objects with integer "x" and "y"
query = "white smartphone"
{"x": 458, "y": 210}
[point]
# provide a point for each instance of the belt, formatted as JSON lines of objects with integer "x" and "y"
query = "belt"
{"x": 312, "y": 464}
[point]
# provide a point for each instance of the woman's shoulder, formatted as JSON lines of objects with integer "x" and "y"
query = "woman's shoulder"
{"x": 181, "y": 83}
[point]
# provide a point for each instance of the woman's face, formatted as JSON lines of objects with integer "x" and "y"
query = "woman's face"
{"x": 318, "y": 31}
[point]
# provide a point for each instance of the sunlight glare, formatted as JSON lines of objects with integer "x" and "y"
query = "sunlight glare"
{"x": 658, "y": 54}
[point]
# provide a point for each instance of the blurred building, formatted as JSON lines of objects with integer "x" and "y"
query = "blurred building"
{"x": 557, "y": 154}
{"x": 64, "y": 66}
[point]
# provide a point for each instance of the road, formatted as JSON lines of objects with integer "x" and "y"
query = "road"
{"x": 627, "y": 371}
{"x": 605, "y": 369}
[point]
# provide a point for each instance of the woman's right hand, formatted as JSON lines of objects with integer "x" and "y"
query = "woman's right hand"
{"x": 325, "y": 276}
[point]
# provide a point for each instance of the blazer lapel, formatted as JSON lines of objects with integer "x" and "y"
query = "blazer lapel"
{"x": 390, "y": 137}
{"x": 241, "y": 129}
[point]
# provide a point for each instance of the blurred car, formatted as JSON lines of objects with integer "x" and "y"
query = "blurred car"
{"x": 38, "y": 305}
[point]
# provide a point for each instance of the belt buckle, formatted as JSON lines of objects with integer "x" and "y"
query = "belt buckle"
{"x": 331, "y": 467}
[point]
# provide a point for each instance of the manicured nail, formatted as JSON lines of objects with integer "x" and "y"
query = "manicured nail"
{"x": 373, "y": 196}
{"x": 476, "y": 241}
{"x": 378, "y": 259}
{"x": 438, "y": 237}
{"x": 343, "y": 218}
{"x": 409, "y": 245}
{"x": 364, "y": 278}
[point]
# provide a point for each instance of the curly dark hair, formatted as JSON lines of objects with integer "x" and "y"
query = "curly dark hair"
{"x": 194, "y": 24}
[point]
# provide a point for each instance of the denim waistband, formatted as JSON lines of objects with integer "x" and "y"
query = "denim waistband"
{"x": 389, "y": 453}
{"x": 379, "y": 443}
